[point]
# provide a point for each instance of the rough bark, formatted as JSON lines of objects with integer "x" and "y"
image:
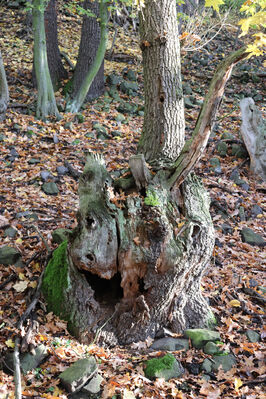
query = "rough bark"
{"x": 46, "y": 104}
{"x": 253, "y": 130}
{"x": 90, "y": 40}
{"x": 164, "y": 124}
{"x": 56, "y": 68}
{"x": 76, "y": 101}
{"x": 4, "y": 94}
{"x": 138, "y": 263}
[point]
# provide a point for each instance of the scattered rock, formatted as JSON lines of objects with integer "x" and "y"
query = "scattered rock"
{"x": 200, "y": 336}
{"x": 116, "y": 133}
{"x": 9, "y": 255}
{"x": 242, "y": 214}
{"x": 227, "y": 136}
{"x": 33, "y": 161}
{"x": 227, "y": 229}
{"x": 79, "y": 118}
{"x": 211, "y": 349}
{"x": 94, "y": 385}
{"x": 55, "y": 139}
{"x": 252, "y": 336}
{"x": 252, "y": 238}
{"x": 129, "y": 88}
{"x": 188, "y": 103}
{"x": 170, "y": 344}
{"x": 10, "y": 232}
{"x": 75, "y": 376}
{"x": 61, "y": 170}
{"x": 126, "y": 108}
{"x": 239, "y": 151}
{"x": 27, "y": 215}
{"x": 113, "y": 79}
{"x": 30, "y": 361}
{"x": 187, "y": 89}
{"x": 50, "y": 188}
{"x": 130, "y": 75}
{"x": 215, "y": 166}
{"x": 99, "y": 128}
{"x": 60, "y": 235}
{"x": 222, "y": 148}
{"x": 256, "y": 210}
{"x": 164, "y": 367}
{"x": 227, "y": 361}
{"x": 120, "y": 118}
{"x": 45, "y": 175}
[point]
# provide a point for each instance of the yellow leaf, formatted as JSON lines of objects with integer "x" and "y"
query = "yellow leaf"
{"x": 22, "y": 276}
{"x": 238, "y": 383}
{"x": 33, "y": 284}
{"x": 19, "y": 241}
{"x": 235, "y": 303}
{"x": 214, "y": 3}
{"x": 10, "y": 343}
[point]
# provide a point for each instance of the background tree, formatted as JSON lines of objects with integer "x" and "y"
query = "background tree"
{"x": 134, "y": 263}
{"x": 89, "y": 43}
{"x": 4, "y": 95}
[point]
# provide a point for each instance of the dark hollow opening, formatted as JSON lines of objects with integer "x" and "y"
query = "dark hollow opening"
{"x": 106, "y": 292}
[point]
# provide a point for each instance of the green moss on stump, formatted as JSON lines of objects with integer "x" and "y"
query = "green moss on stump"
{"x": 55, "y": 280}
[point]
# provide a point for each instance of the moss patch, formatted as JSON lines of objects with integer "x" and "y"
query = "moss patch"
{"x": 55, "y": 280}
{"x": 154, "y": 366}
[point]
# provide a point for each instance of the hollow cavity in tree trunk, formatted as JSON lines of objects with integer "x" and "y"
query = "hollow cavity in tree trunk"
{"x": 134, "y": 263}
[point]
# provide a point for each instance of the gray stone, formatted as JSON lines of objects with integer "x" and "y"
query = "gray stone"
{"x": 45, "y": 175}
{"x": 61, "y": 170}
{"x": 222, "y": 148}
{"x": 99, "y": 128}
{"x": 227, "y": 229}
{"x": 50, "y": 188}
{"x": 241, "y": 213}
{"x": 200, "y": 336}
{"x": 94, "y": 385}
{"x": 33, "y": 161}
{"x": 90, "y": 135}
{"x": 188, "y": 103}
{"x": 126, "y": 108}
{"x": 252, "y": 238}
{"x": 116, "y": 133}
{"x": 2, "y": 137}
{"x": 27, "y": 215}
{"x": 165, "y": 367}
{"x": 68, "y": 126}
{"x": 30, "y": 361}
{"x": 60, "y": 235}
{"x": 131, "y": 75}
{"x": 228, "y": 136}
{"x": 256, "y": 210}
{"x": 129, "y": 88}
{"x": 170, "y": 344}
{"x": 239, "y": 151}
{"x": 55, "y": 139}
{"x": 79, "y": 118}
{"x": 10, "y": 232}
{"x": 113, "y": 79}
{"x": 252, "y": 336}
{"x": 226, "y": 361}
{"x": 9, "y": 255}
{"x": 215, "y": 166}
{"x": 120, "y": 118}
{"x": 187, "y": 89}
{"x": 75, "y": 376}
{"x": 211, "y": 349}
{"x": 113, "y": 93}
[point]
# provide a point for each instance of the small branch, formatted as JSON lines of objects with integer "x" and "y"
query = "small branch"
{"x": 10, "y": 278}
{"x": 195, "y": 147}
{"x": 70, "y": 63}
{"x": 49, "y": 249}
{"x": 17, "y": 372}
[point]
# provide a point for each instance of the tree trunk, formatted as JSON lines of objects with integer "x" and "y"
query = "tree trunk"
{"x": 4, "y": 95}
{"x": 89, "y": 43}
{"x": 134, "y": 263}
{"x": 78, "y": 99}
{"x": 164, "y": 123}
{"x": 46, "y": 104}
{"x": 56, "y": 68}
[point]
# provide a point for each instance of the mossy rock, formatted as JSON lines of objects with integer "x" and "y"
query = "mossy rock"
{"x": 60, "y": 235}
{"x": 222, "y": 148}
{"x": 164, "y": 367}
{"x": 9, "y": 255}
{"x": 200, "y": 336}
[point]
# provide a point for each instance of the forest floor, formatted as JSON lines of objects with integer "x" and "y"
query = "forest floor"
{"x": 233, "y": 282}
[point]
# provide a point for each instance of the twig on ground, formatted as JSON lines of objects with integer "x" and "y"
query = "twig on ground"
{"x": 17, "y": 372}
{"x": 10, "y": 278}
{"x": 49, "y": 249}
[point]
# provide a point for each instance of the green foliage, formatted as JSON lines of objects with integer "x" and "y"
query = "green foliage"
{"x": 234, "y": 5}
{"x": 158, "y": 364}
{"x": 151, "y": 199}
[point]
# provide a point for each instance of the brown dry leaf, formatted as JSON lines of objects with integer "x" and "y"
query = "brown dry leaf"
{"x": 137, "y": 240}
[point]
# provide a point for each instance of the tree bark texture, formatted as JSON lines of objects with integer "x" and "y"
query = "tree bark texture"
{"x": 46, "y": 104}
{"x": 56, "y": 68}
{"x": 4, "y": 93}
{"x": 164, "y": 123}
{"x": 132, "y": 264}
{"x": 89, "y": 43}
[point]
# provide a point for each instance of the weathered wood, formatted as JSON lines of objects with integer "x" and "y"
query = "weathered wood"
{"x": 4, "y": 95}
{"x": 195, "y": 147}
{"x": 139, "y": 170}
{"x": 253, "y": 130}
{"x": 137, "y": 262}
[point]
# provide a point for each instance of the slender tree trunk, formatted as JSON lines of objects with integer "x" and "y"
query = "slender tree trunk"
{"x": 90, "y": 40}
{"x": 46, "y": 104}
{"x": 4, "y": 95}
{"x": 76, "y": 102}
{"x": 164, "y": 123}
